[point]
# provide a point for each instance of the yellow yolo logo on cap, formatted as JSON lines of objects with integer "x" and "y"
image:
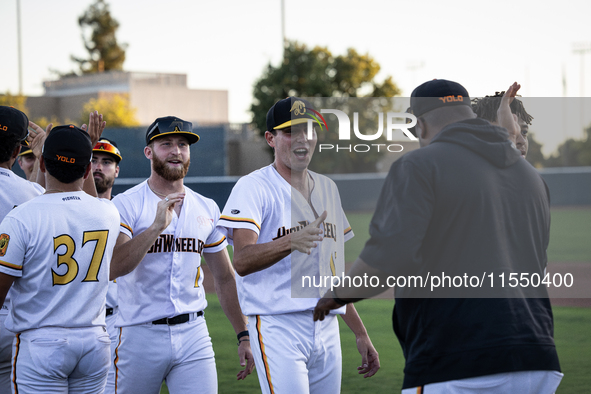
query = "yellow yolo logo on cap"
{"x": 66, "y": 159}
{"x": 449, "y": 99}
{"x": 298, "y": 108}
{"x": 4, "y": 238}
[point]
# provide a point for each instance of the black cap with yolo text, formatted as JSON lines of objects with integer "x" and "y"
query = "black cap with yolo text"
{"x": 68, "y": 144}
{"x": 436, "y": 94}
{"x": 288, "y": 112}
{"x": 171, "y": 125}
{"x": 13, "y": 121}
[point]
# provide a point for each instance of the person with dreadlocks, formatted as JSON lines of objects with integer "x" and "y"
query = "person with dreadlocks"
{"x": 487, "y": 107}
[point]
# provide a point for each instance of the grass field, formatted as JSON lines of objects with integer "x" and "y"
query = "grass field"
{"x": 570, "y": 234}
{"x": 572, "y": 327}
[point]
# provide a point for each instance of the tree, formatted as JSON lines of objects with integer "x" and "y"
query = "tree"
{"x": 316, "y": 72}
{"x": 104, "y": 52}
{"x": 17, "y": 101}
{"x": 573, "y": 153}
{"x": 116, "y": 110}
{"x": 534, "y": 152}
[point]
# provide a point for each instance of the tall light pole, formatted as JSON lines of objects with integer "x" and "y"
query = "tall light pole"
{"x": 283, "y": 40}
{"x": 582, "y": 48}
{"x": 20, "y": 59}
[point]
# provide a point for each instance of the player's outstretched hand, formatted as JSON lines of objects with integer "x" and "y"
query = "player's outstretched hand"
{"x": 246, "y": 359}
{"x": 305, "y": 239}
{"x": 504, "y": 116}
{"x": 370, "y": 359}
{"x": 95, "y": 128}
{"x": 165, "y": 210}
{"x": 323, "y": 307}
{"x": 36, "y": 137}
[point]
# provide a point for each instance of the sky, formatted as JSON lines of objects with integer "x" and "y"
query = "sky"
{"x": 226, "y": 44}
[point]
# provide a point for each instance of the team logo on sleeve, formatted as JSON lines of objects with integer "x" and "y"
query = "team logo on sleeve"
{"x": 4, "y": 239}
{"x": 234, "y": 212}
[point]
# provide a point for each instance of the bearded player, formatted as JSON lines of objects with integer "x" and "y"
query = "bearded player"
{"x": 165, "y": 229}
{"x": 275, "y": 217}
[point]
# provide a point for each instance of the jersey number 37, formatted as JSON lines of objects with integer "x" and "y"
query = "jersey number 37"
{"x": 66, "y": 258}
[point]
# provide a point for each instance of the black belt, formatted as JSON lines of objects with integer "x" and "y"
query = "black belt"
{"x": 180, "y": 319}
{"x": 109, "y": 311}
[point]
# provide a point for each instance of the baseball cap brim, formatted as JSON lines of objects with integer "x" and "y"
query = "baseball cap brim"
{"x": 292, "y": 122}
{"x": 25, "y": 151}
{"x": 192, "y": 137}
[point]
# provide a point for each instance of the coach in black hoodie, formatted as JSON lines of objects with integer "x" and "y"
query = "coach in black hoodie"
{"x": 464, "y": 205}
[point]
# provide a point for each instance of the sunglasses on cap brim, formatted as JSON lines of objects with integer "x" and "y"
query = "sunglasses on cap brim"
{"x": 106, "y": 147}
{"x": 170, "y": 127}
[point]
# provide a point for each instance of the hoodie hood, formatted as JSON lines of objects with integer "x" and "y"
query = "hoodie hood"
{"x": 482, "y": 138}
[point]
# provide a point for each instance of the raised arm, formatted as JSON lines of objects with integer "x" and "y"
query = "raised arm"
{"x": 36, "y": 140}
{"x": 250, "y": 257}
{"x": 95, "y": 128}
{"x": 225, "y": 288}
{"x": 505, "y": 117}
{"x": 129, "y": 252}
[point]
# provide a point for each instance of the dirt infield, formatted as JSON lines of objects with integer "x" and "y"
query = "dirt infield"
{"x": 578, "y": 295}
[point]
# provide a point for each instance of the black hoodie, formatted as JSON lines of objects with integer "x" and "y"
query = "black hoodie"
{"x": 465, "y": 204}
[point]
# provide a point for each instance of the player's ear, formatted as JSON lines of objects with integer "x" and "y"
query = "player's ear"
{"x": 422, "y": 128}
{"x": 88, "y": 170}
{"x": 41, "y": 164}
{"x": 17, "y": 150}
{"x": 116, "y": 171}
{"x": 148, "y": 152}
{"x": 270, "y": 137}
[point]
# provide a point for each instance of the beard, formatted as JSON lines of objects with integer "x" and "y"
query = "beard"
{"x": 170, "y": 174}
{"x": 103, "y": 183}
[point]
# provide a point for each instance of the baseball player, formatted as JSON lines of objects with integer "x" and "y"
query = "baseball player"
{"x": 165, "y": 229}
{"x": 13, "y": 191}
{"x": 57, "y": 250}
{"x": 105, "y": 168}
{"x": 487, "y": 107}
{"x": 285, "y": 221}
{"x": 26, "y": 160}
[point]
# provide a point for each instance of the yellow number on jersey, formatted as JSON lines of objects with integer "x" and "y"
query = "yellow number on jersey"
{"x": 99, "y": 251}
{"x": 198, "y": 276}
{"x": 66, "y": 258}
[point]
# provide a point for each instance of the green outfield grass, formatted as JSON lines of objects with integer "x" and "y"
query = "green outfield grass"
{"x": 570, "y": 234}
{"x": 572, "y": 327}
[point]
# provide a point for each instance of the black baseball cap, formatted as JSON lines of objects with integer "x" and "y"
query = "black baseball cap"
{"x": 68, "y": 144}
{"x": 13, "y": 121}
{"x": 108, "y": 146}
{"x": 288, "y": 112}
{"x": 171, "y": 125}
{"x": 436, "y": 94}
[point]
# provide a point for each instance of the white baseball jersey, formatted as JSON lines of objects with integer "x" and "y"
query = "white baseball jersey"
{"x": 112, "y": 294}
{"x": 266, "y": 203}
{"x": 59, "y": 247}
{"x": 168, "y": 281}
{"x": 14, "y": 191}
